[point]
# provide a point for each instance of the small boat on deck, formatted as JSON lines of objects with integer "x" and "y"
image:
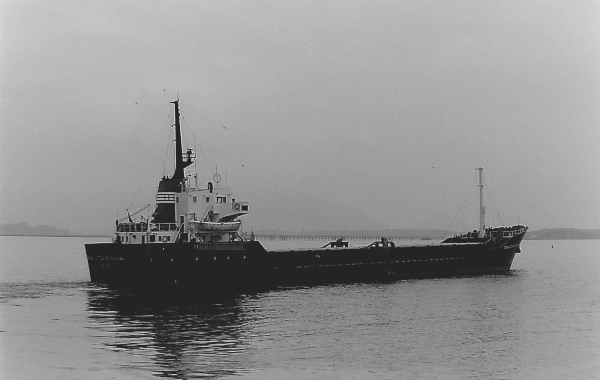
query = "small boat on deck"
{"x": 216, "y": 226}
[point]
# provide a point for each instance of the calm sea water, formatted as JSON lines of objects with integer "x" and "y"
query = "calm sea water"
{"x": 540, "y": 321}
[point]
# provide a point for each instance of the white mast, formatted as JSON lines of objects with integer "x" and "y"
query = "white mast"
{"x": 481, "y": 206}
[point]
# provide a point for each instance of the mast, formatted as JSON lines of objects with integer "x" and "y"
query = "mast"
{"x": 179, "y": 165}
{"x": 165, "y": 211}
{"x": 481, "y": 206}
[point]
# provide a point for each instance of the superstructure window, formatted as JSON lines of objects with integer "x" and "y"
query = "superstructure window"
{"x": 195, "y": 199}
{"x": 221, "y": 199}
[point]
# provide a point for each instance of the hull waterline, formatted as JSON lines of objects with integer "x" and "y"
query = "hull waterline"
{"x": 248, "y": 265}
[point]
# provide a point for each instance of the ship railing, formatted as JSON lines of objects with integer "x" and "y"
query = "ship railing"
{"x": 514, "y": 233}
{"x": 506, "y": 232}
{"x": 132, "y": 227}
{"x": 163, "y": 227}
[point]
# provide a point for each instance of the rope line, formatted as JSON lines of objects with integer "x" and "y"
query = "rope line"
{"x": 197, "y": 145}
{"x": 206, "y": 117}
{"x": 135, "y": 213}
{"x": 493, "y": 204}
{"x": 461, "y": 210}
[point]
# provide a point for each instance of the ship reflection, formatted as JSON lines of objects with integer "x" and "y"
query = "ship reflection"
{"x": 172, "y": 335}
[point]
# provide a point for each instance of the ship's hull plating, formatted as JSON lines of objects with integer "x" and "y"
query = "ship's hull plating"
{"x": 188, "y": 265}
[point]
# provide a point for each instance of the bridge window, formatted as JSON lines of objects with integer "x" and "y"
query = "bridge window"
{"x": 221, "y": 199}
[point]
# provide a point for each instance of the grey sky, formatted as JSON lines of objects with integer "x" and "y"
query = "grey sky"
{"x": 352, "y": 102}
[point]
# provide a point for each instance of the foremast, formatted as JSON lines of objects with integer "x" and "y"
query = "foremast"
{"x": 481, "y": 206}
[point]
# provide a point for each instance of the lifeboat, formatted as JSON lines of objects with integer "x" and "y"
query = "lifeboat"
{"x": 216, "y": 226}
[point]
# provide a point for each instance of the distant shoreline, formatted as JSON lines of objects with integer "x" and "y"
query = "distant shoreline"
{"x": 69, "y": 236}
{"x": 23, "y": 229}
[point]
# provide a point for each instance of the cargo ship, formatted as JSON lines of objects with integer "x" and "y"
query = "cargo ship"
{"x": 193, "y": 242}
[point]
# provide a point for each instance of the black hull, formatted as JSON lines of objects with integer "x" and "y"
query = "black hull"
{"x": 213, "y": 270}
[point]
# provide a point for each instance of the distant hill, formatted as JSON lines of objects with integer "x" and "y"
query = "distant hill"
{"x": 297, "y": 212}
{"x": 563, "y": 234}
{"x": 23, "y": 229}
{"x": 545, "y": 234}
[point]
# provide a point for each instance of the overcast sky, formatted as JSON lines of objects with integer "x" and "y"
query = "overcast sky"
{"x": 384, "y": 107}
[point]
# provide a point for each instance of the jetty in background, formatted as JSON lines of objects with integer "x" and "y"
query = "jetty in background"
{"x": 308, "y": 237}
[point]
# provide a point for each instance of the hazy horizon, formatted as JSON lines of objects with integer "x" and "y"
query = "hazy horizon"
{"x": 316, "y": 112}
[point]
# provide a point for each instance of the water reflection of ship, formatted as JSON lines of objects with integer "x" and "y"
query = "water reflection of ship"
{"x": 178, "y": 337}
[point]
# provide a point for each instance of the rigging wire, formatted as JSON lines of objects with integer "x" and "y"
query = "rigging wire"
{"x": 237, "y": 130}
{"x": 227, "y": 127}
{"x": 493, "y": 204}
{"x": 185, "y": 122}
{"x": 135, "y": 213}
{"x": 494, "y": 209}
{"x": 198, "y": 145}
{"x": 461, "y": 210}
{"x": 206, "y": 117}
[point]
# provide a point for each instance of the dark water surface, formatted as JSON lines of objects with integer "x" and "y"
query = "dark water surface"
{"x": 540, "y": 321}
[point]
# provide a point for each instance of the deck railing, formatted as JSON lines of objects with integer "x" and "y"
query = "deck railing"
{"x": 163, "y": 227}
{"x": 132, "y": 227}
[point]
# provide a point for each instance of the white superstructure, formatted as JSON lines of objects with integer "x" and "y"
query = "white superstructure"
{"x": 185, "y": 212}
